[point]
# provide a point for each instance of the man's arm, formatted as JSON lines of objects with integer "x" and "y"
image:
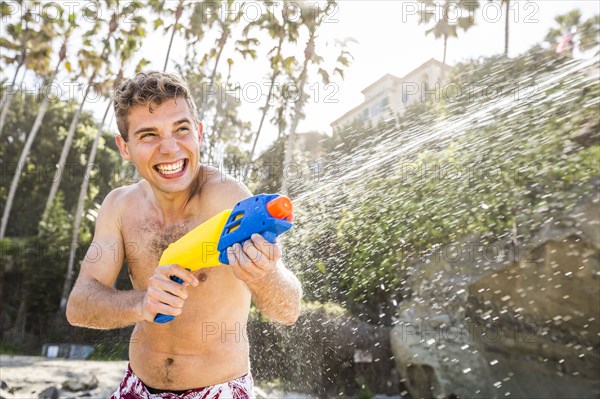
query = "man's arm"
{"x": 94, "y": 303}
{"x": 275, "y": 290}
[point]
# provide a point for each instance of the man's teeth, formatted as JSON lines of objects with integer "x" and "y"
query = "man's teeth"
{"x": 172, "y": 168}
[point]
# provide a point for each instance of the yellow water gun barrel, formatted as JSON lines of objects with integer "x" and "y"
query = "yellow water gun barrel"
{"x": 204, "y": 246}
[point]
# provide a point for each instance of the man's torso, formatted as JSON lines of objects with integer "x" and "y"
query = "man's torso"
{"x": 207, "y": 344}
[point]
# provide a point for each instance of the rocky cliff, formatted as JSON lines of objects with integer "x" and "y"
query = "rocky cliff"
{"x": 500, "y": 319}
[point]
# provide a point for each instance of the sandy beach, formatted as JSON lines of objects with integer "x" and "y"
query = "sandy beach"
{"x": 26, "y": 377}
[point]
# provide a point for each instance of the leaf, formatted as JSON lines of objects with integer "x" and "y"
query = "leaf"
{"x": 324, "y": 75}
{"x": 73, "y": 19}
{"x": 68, "y": 66}
{"x": 158, "y": 22}
{"x": 140, "y": 66}
{"x": 5, "y": 43}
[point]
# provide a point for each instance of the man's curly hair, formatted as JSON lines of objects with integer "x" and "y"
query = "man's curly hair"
{"x": 152, "y": 88}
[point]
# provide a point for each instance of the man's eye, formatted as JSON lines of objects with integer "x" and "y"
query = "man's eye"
{"x": 147, "y": 136}
{"x": 183, "y": 129}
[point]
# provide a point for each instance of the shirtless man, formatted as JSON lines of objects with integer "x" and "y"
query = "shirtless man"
{"x": 204, "y": 349}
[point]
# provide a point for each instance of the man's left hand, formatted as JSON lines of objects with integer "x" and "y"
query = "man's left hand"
{"x": 255, "y": 260}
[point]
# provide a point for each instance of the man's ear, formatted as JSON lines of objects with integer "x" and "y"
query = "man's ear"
{"x": 122, "y": 144}
{"x": 200, "y": 131}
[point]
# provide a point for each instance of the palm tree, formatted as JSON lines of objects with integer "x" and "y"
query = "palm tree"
{"x": 227, "y": 127}
{"x": 30, "y": 43}
{"x": 158, "y": 6}
{"x": 310, "y": 57}
{"x": 506, "y": 24}
{"x": 225, "y": 23}
{"x": 589, "y": 34}
{"x": 90, "y": 62}
{"x": 67, "y": 30}
{"x": 281, "y": 30}
{"x": 506, "y": 4}
{"x": 443, "y": 28}
{"x": 127, "y": 43}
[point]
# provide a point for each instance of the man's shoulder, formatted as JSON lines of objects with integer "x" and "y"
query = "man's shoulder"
{"x": 124, "y": 192}
{"x": 221, "y": 189}
{"x": 120, "y": 197}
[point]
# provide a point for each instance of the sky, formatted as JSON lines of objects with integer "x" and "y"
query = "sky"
{"x": 389, "y": 40}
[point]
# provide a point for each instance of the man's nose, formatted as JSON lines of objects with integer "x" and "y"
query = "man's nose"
{"x": 169, "y": 145}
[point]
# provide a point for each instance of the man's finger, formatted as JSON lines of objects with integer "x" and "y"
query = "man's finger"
{"x": 271, "y": 251}
{"x": 254, "y": 253}
{"x": 166, "y": 297}
{"x": 237, "y": 269}
{"x": 178, "y": 271}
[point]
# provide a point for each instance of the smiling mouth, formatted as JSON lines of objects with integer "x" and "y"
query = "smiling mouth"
{"x": 173, "y": 168}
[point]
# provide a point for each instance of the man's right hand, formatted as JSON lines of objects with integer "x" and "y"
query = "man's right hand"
{"x": 164, "y": 295}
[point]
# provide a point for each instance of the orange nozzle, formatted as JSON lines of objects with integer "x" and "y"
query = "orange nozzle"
{"x": 280, "y": 207}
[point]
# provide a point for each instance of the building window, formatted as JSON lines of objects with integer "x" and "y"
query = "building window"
{"x": 379, "y": 107}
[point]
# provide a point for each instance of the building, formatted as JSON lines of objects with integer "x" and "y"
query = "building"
{"x": 390, "y": 95}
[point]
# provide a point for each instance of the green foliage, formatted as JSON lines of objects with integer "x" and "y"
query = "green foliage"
{"x": 365, "y": 393}
{"x": 10, "y": 349}
{"x": 449, "y": 25}
{"x": 39, "y": 170}
{"x": 586, "y": 33}
{"x": 103, "y": 351}
{"x": 356, "y": 244}
{"x": 38, "y": 258}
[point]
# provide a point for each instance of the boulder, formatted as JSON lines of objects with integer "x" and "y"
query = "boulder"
{"x": 491, "y": 320}
{"x": 81, "y": 383}
{"x": 49, "y": 393}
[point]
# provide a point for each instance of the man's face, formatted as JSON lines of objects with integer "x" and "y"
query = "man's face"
{"x": 164, "y": 144}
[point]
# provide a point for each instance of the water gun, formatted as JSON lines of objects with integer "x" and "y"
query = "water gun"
{"x": 206, "y": 245}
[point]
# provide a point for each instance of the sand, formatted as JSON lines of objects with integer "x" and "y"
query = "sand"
{"x": 28, "y": 376}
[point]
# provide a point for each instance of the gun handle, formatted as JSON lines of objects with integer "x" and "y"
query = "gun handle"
{"x": 270, "y": 236}
{"x": 163, "y": 318}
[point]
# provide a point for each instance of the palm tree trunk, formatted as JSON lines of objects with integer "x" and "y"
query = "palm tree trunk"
{"x": 178, "y": 13}
{"x": 24, "y": 154}
{"x": 445, "y": 47}
{"x": 222, "y": 42}
{"x": 506, "y": 22}
{"x": 79, "y": 212}
{"x": 18, "y": 327}
{"x": 9, "y": 98}
{"x": 289, "y": 145}
{"x": 65, "y": 151}
{"x": 267, "y": 102}
{"x": 169, "y": 48}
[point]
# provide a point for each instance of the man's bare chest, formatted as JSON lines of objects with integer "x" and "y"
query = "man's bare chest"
{"x": 144, "y": 242}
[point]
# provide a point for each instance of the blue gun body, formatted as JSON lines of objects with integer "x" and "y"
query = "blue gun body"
{"x": 249, "y": 217}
